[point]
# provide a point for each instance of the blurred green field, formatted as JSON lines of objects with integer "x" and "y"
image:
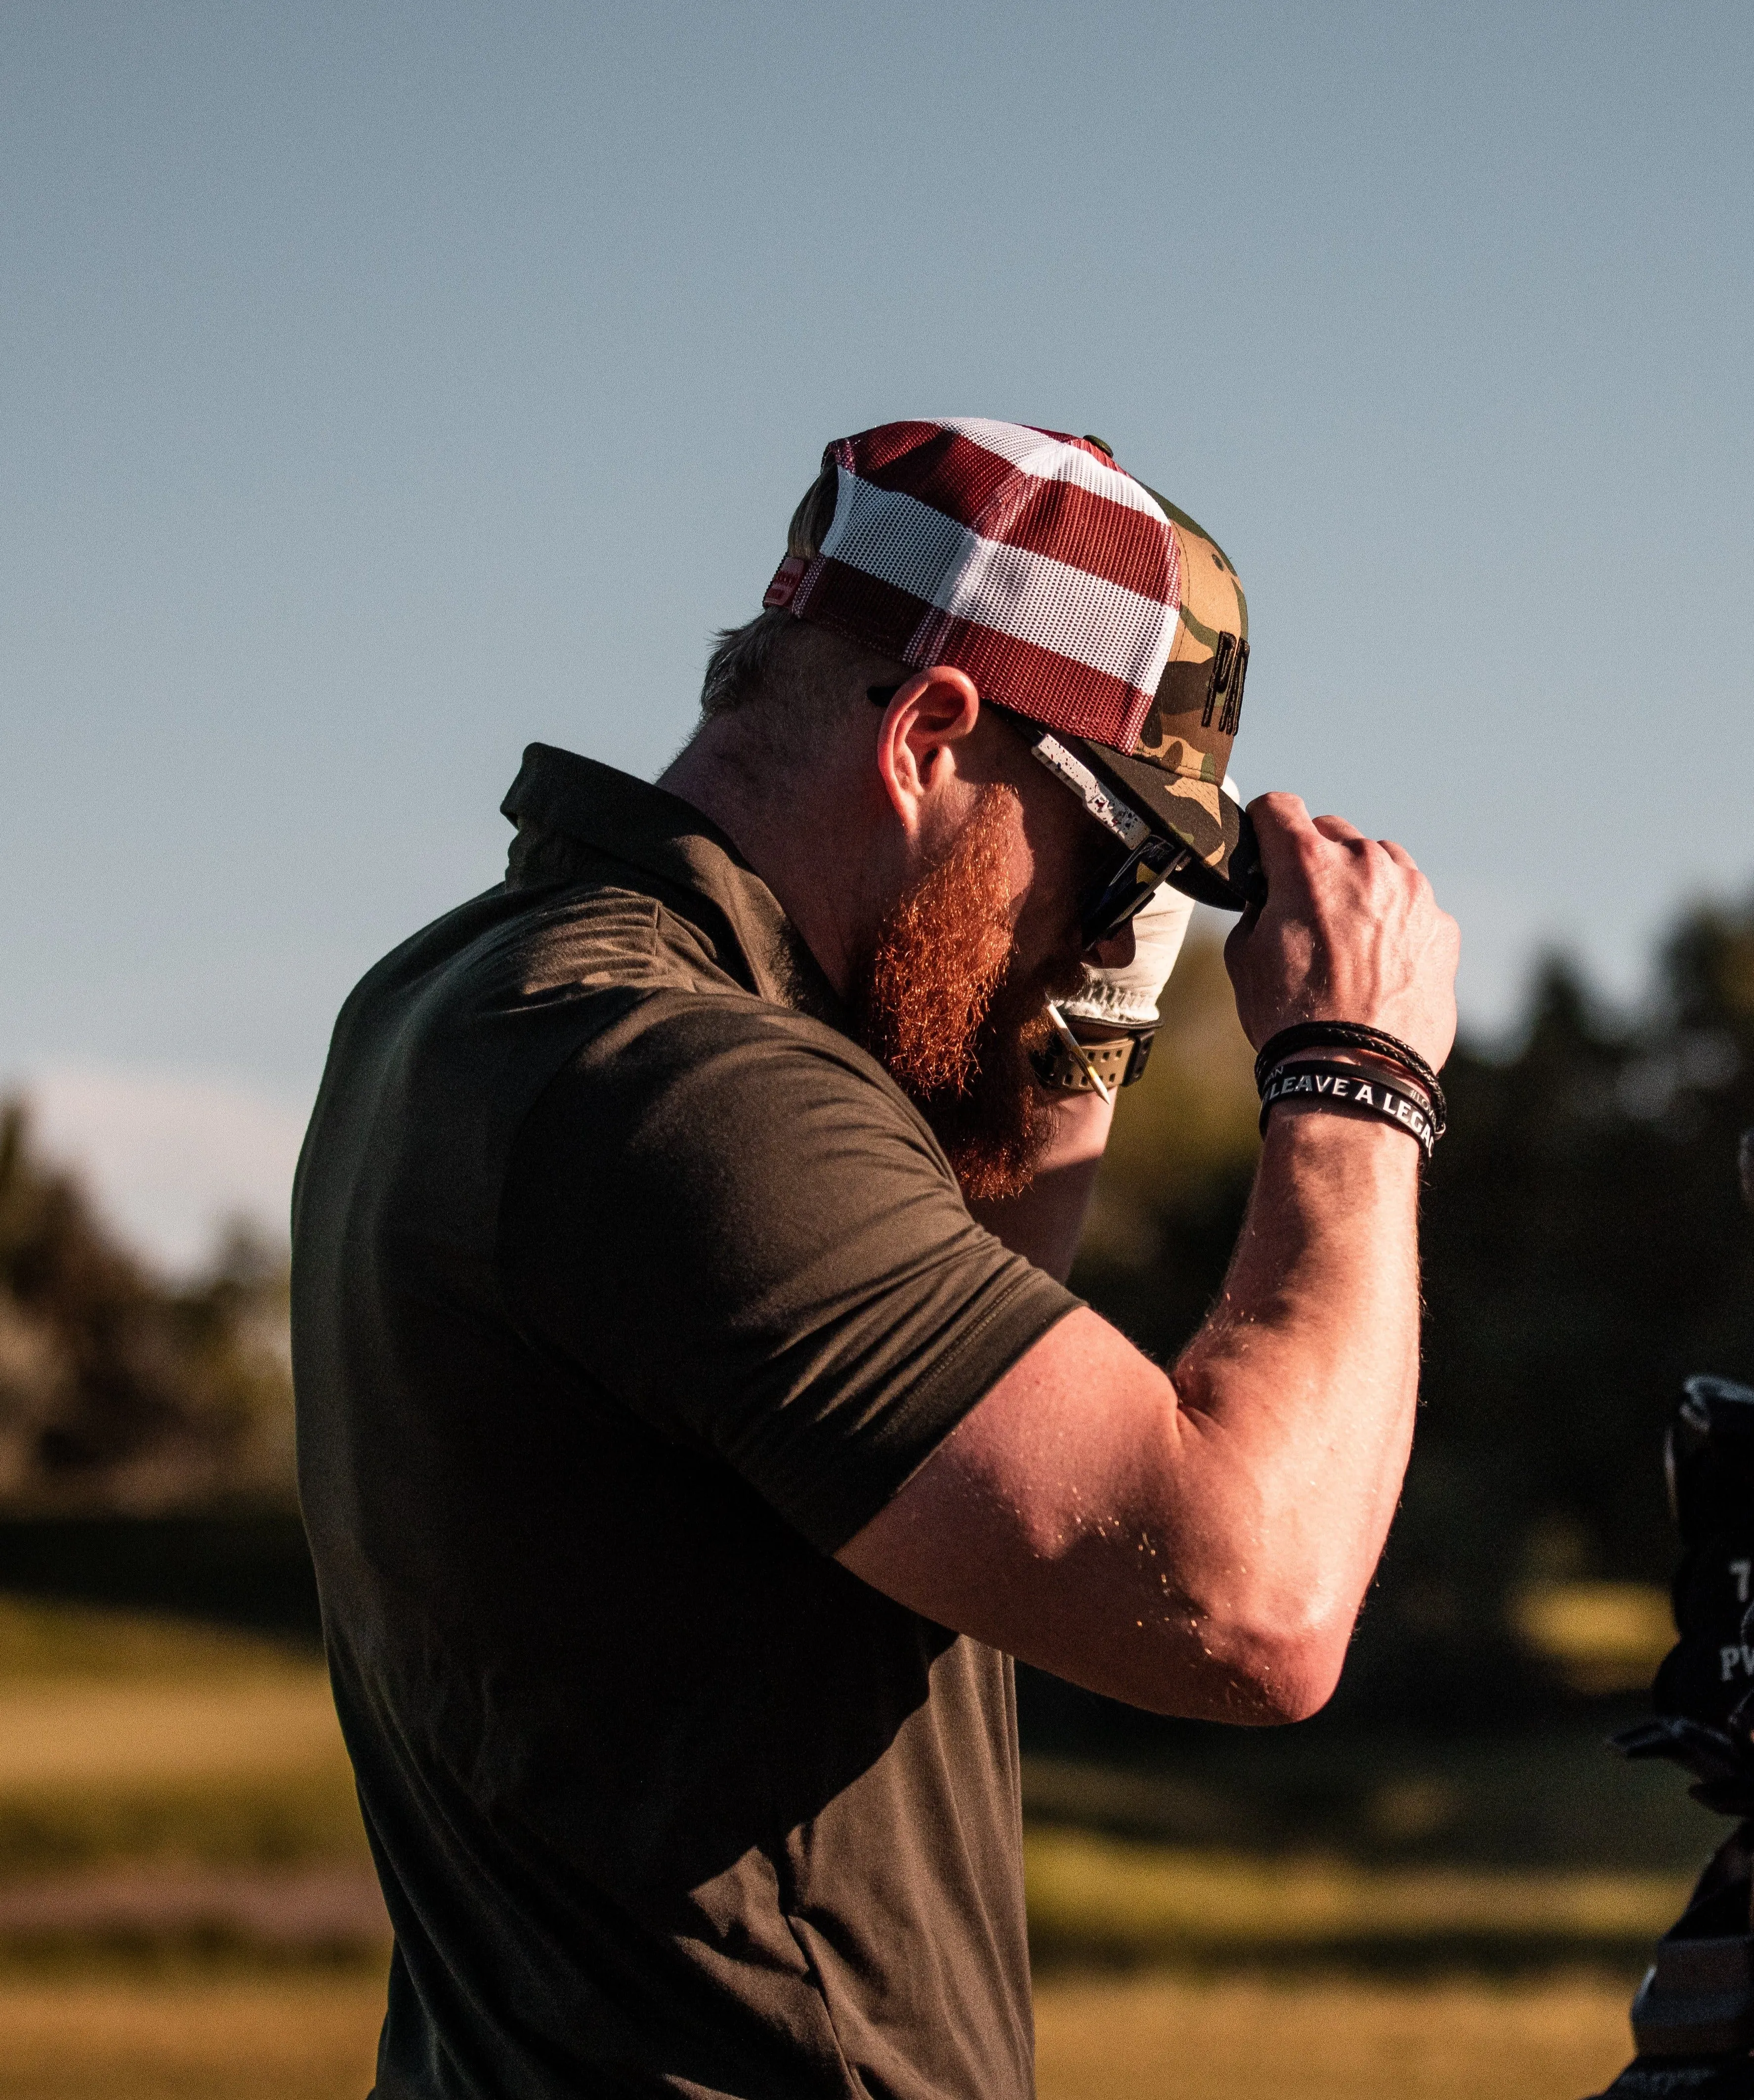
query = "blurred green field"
{"x": 1153, "y": 2038}
{"x": 1099, "y": 1900}
{"x": 137, "y": 1754}
{"x": 123, "y": 1737}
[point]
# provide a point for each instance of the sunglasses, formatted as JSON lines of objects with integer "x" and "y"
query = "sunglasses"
{"x": 1138, "y": 860}
{"x": 1127, "y": 879}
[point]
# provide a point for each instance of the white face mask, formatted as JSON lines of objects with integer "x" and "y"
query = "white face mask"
{"x": 1128, "y": 998}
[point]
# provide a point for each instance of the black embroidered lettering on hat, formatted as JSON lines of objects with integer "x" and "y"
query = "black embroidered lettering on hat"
{"x": 1228, "y": 722}
{"x": 1218, "y": 685}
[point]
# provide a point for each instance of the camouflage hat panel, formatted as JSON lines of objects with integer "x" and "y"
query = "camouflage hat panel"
{"x": 1192, "y": 723}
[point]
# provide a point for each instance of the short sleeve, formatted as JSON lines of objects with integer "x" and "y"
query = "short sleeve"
{"x": 732, "y": 1222}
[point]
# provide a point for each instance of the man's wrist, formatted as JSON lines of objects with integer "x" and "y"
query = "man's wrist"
{"x": 1352, "y": 1070}
{"x": 1301, "y": 1127}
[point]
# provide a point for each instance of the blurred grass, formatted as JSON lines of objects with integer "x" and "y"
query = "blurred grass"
{"x": 231, "y": 1822}
{"x": 1245, "y": 2038}
{"x": 189, "y": 2036}
{"x": 1549, "y": 1798}
{"x": 1110, "y": 1901}
{"x": 44, "y": 1641}
{"x": 1601, "y": 1637}
{"x": 127, "y": 1736}
{"x": 1207, "y": 1970}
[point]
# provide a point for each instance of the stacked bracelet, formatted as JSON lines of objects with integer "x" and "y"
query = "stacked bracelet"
{"x": 1352, "y": 1089}
{"x": 1355, "y": 1036}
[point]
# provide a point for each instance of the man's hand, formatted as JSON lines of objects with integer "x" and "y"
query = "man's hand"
{"x": 1350, "y": 932}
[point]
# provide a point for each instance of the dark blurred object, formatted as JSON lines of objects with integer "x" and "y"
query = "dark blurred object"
{"x": 248, "y": 1569}
{"x": 1692, "y": 2018}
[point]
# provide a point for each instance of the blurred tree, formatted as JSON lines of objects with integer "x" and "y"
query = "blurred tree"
{"x": 115, "y": 1390}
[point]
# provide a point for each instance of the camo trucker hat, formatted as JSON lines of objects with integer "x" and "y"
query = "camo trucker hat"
{"x": 1072, "y": 595}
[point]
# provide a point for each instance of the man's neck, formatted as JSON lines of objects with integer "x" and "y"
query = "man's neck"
{"x": 804, "y": 847}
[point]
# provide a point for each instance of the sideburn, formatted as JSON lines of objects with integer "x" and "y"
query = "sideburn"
{"x": 936, "y": 1009}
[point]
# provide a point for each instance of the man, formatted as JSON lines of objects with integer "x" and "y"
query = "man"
{"x": 693, "y": 1422}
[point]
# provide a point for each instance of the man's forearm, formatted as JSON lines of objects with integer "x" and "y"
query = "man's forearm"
{"x": 1295, "y": 1401}
{"x": 1201, "y": 1547}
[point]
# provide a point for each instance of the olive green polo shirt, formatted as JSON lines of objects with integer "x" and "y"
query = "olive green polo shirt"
{"x": 626, "y": 1288}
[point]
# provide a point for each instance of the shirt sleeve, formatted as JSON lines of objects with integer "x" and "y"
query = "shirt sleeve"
{"x": 731, "y": 1220}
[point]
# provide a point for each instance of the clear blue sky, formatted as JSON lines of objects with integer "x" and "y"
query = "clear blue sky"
{"x": 386, "y": 385}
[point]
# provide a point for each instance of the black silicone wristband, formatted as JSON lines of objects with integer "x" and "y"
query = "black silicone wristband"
{"x": 1355, "y": 1036}
{"x": 1350, "y": 1090}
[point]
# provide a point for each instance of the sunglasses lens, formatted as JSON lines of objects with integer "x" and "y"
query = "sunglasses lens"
{"x": 1124, "y": 886}
{"x": 1114, "y": 898}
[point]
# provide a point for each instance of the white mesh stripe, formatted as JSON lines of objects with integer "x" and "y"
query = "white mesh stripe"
{"x": 1035, "y": 598}
{"x": 1049, "y": 460}
{"x": 1030, "y": 596}
{"x": 898, "y": 538}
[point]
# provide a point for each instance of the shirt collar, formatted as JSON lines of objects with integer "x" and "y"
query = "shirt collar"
{"x": 558, "y": 795}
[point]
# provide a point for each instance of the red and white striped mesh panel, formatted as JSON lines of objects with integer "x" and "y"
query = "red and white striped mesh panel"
{"x": 1025, "y": 557}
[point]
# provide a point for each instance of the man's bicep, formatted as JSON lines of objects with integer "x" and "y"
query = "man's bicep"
{"x": 1038, "y": 1524}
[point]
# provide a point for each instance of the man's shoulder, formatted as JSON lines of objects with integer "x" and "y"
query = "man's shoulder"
{"x": 511, "y": 946}
{"x": 672, "y": 1024}
{"x": 601, "y": 984}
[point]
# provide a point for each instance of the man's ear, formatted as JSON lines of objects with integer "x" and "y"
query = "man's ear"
{"x": 928, "y": 717}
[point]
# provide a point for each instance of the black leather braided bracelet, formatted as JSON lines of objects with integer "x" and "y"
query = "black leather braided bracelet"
{"x": 1349, "y": 1089}
{"x": 1355, "y": 1036}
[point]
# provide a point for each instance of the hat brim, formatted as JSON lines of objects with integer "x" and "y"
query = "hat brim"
{"x": 1226, "y": 868}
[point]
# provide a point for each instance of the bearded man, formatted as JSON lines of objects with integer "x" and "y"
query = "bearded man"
{"x": 694, "y": 1420}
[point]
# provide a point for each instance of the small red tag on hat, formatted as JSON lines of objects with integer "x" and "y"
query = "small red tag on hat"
{"x": 784, "y": 587}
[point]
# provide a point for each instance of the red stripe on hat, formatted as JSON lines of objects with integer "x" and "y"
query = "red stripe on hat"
{"x": 1009, "y": 504}
{"x": 863, "y": 607}
{"x": 1047, "y": 687}
{"x": 872, "y": 449}
{"x": 1103, "y": 538}
{"x": 944, "y": 470}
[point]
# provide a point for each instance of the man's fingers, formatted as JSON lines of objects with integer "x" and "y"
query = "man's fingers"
{"x": 1282, "y": 821}
{"x": 1350, "y": 930}
{"x": 1282, "y": 830}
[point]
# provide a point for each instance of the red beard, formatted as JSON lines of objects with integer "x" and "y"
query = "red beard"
{"x": 941, "y": 1005}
